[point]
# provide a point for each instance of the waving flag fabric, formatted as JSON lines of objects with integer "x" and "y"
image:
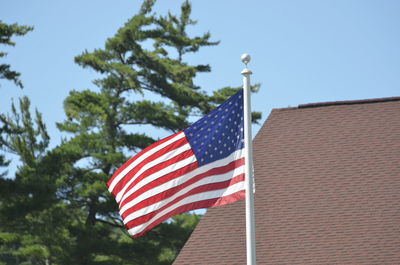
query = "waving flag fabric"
{"x": 199, "y": 167}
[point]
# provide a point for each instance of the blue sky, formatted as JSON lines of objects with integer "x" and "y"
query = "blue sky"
{"x": 302, "y": 51}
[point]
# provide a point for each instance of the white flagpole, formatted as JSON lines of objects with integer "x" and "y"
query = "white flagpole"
{"x": 250, "y": 227}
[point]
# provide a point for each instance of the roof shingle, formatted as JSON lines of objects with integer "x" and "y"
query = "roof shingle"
{"x": 327, "y": 190}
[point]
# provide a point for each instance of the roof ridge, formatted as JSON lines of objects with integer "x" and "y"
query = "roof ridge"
{"x": 347, "y": 102}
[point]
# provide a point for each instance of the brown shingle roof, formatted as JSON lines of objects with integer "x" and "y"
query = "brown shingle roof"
{"x": 327, "y": 190}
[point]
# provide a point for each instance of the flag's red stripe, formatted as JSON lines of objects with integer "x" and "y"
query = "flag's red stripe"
{"x": 120, "y": 169}
{"x": 176, "y": 144}
{"x": 200, "y": 189}
{"x": 159, "y": 181}
{"x": 193, "y": 206}
{"x": 158, "y": 167}
{"x": 179, "y": 143}
{"x": 170, "y": 192}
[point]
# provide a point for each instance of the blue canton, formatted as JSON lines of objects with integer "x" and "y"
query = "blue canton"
{"x": 219, "y": 133}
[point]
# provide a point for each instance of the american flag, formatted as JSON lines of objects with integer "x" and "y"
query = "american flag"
{"x": 199, "y": 167}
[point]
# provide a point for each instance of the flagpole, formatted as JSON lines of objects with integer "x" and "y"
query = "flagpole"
{"x": 250, "y": 226}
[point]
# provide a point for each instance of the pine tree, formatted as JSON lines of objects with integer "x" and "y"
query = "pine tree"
{"x": 144, "y": 58}
{"x": 60, "y": 211}
{"x": 29, "y": 191}
{"x": 7, "y": 31}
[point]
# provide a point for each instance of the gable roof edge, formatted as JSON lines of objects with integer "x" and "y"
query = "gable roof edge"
{"x": 348, "y": 102}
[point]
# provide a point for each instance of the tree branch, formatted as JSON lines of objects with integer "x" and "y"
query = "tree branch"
{"x": 109, "y": 223}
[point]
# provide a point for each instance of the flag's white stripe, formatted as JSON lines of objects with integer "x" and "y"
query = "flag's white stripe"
{"x": 141, "y": 158}
{"x": 182, "y": 179}
{"x": 204, "y": 181}
{"x": 151, "y": 164}
{"x": 191, "y": 199}
{"x": 160, "y": 173}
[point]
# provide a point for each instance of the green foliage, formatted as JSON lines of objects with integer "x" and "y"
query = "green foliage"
{"x": 22, "y": 138}
{"x": 6, "y": 33}
{"x": 57, "y": 209}
{"x": 143, "y": 61}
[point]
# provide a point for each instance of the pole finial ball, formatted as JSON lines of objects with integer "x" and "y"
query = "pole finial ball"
{"x": 245, "y": 58}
